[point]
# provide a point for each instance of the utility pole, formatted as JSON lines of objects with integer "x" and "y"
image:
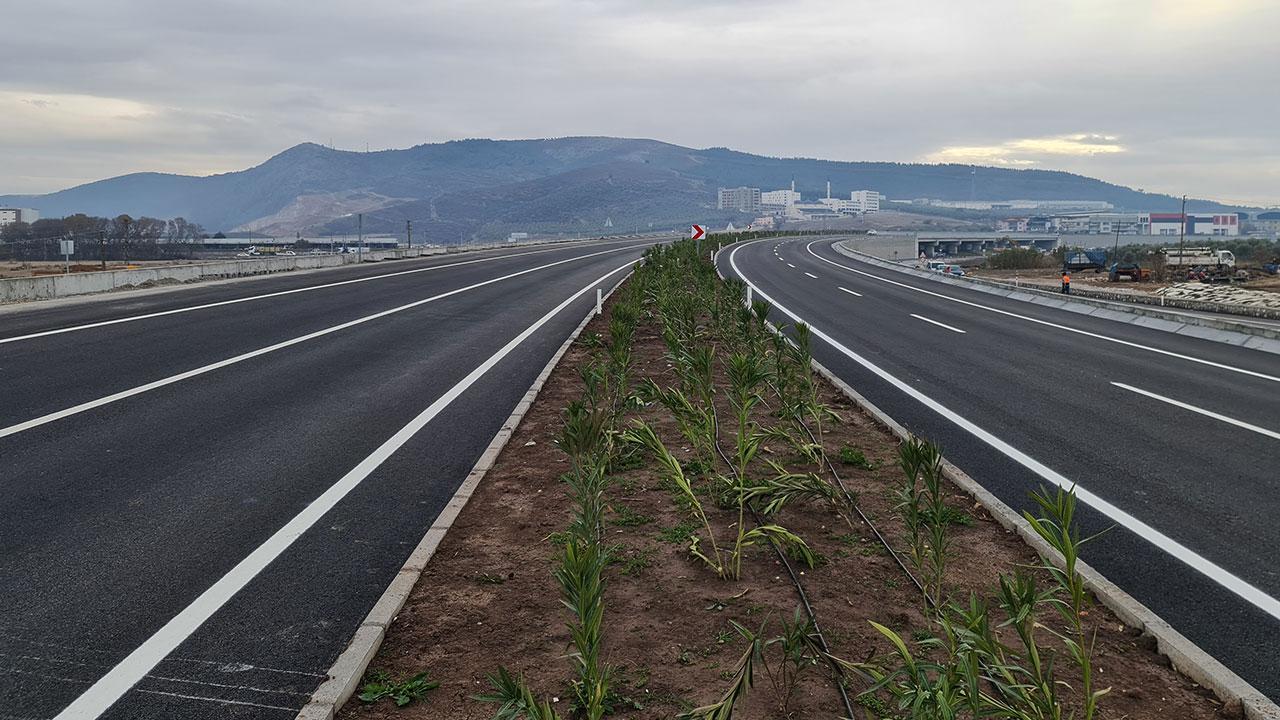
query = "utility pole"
{"x": 1182, "y": 233}
{"x": 408, "y": 233}
{"x": 102, "y": 248}
{"x": 360, "y": 237}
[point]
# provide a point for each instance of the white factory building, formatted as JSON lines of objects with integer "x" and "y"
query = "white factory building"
{"x": 787, "y": 203}
{"x": 13, "y": 215}
{"x": 742, "y": 199}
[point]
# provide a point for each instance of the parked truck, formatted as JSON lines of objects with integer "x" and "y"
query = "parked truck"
{"x": 1198, "y": 257}
{"x": 1085, "y": 260}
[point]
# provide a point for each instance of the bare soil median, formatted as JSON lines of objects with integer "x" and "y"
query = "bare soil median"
{"x": 488, "y": 598}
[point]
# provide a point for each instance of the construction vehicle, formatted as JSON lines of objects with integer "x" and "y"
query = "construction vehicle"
{"x": 1133, "y": 271}
{"x": 1085, "y": 260}
{"x": 1198, "y": 257}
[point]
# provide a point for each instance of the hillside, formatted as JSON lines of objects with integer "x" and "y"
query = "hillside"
{"x": 490, "y": 187}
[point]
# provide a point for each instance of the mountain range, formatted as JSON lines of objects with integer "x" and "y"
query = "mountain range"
{"x": 487, "y": 188}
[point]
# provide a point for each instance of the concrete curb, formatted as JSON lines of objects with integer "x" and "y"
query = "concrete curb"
{"x": 1224, "y": 330}
{"x": 1185, "y": 656}
{"x": 349, "y": 668}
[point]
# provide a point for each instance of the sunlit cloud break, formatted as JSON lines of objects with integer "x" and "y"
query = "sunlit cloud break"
{"x": 1029, "y": 151}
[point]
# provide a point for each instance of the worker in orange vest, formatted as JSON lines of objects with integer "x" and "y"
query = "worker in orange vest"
{"x": 1066, "y": 282}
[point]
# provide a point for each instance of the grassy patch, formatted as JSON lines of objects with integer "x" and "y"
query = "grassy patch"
{"x": 379, "y": 685}
{"x": 678, "y": 534}
{"x": 850, "y": 455}
{"x": 626, "y": 517}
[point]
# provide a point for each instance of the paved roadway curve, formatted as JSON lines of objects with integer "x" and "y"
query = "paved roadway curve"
{"x": 128, "y": 521}
{"x": 1181, "y": 487}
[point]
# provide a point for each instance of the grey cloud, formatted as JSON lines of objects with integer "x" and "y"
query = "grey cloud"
{"x": 1184, "y": 87}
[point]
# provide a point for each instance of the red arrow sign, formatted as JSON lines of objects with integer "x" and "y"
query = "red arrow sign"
{"x": 698, "y": 233}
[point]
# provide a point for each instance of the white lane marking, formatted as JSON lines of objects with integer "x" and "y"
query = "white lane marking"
{"x": 1191, "y": 558}
{"x": 935, "y": 322}
{"x": 219, "y": 700}
{"x": 790, "y": 265}
{"x": 1126, "y": 343}
{"x": 781, "y": 260}
{"x": 815, "y": 277}
{"x": 123, "y": 394}
{"x": 233, "y": 301}
{"x": 1207, "y": 413}
{"x": 113, "y": 685}
{"x": 855, "y": 294}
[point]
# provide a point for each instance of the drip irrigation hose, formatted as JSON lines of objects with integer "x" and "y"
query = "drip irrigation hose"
{"x": 861, "y": 515}
{"x": 795, "y": 579}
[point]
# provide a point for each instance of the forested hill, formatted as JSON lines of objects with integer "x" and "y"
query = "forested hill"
{"x": 466, "y": 187}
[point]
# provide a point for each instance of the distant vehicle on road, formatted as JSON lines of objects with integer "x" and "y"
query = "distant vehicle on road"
{"x": 945, "y": 268}
{"x": 872, "y": 232}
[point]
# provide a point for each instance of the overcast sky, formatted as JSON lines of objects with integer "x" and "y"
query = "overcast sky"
{"x": 1168, "y": 95}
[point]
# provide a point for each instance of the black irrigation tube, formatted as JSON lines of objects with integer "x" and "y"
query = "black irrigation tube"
{"x": 849, "y": 498}
{"x": 795, "y": 579}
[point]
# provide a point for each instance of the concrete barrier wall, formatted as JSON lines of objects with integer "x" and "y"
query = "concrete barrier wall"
{"x": 885, "y": 246}
{"x": 55, "y": 286}
{"x": 1209, "y": 328}
{"x": 45, "y": 287}
{"x": 1266, "y": 313}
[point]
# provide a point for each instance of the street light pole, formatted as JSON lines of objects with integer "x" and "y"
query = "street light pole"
{"x": 360, "y": 237}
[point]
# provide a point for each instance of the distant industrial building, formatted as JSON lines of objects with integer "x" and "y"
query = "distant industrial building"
{"x": 13, "y": 215}
{"x": 777, "y": 201}
{"x": 865, "y": 201}
{"x": 1266, "y": 222}
{"x": 1110, "y": 223}
{"x": 1196, "y": 224}
{"x": 742, "y": 199}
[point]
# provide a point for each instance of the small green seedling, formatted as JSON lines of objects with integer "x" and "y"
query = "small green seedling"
{"x": 401, "y": 693}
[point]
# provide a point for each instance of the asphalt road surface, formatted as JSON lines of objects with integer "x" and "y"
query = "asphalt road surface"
{"x": 206, "y": 490}
{"x": 1174, "y": 442}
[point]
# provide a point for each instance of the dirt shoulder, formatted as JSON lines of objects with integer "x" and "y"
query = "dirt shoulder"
{"x": 487, "y": 598}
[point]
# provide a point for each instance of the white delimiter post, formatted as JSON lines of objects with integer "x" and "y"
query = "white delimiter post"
{"x": 748, "y": 296}
{"x": 599, "y": 301}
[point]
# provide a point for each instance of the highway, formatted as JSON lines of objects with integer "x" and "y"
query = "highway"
{"x": 207, "y": 489}
{"x": 1173, "y": 442}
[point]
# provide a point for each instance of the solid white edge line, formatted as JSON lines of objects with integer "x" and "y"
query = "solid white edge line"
{"x": 815, "y": 277}
{"x": 1207, "y": 413}
{"x": 1186, "y": 555}
{"x": 1086, "y": 333}
{"x": 855, "y": 294}
{"x": 130, "y": 671}
{"x": 233, "y": 301}
{"x": 123, "y": 394}
{"x": 935, "y": 322}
